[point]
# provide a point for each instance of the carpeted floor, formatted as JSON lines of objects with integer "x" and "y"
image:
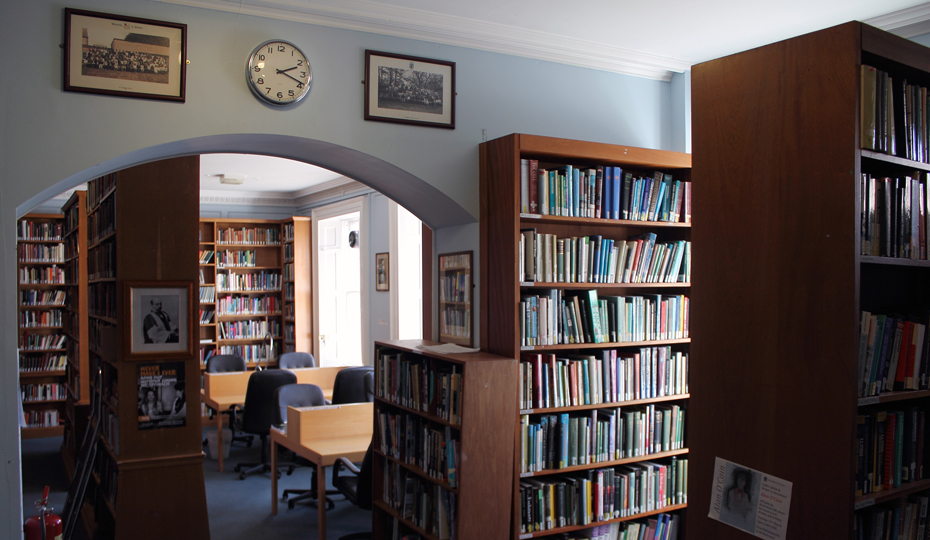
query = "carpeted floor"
{"x": 238, "y": 509}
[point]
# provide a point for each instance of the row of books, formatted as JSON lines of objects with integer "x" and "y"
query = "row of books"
{"x": 205, "y": 354}
{"x": 659, "y": 527}
{"x": 102, "y": 222}
{"x": 415, "y": 383}
{"x": 101, "y": 261}
{"x": 891, "y": 445}
{"x": 252, "y": 353}
{"x": 207, "y": 294}
{"x": 894, "y": 115}
{"x": 595, "y": 259}
{"x": 288, "y": 271}
{"x": 894, "y": 217}
{"x": 426, "y": 505}
{"x": 290, "y": 334}
{"x": 38, "y": 342}
{"x": 455, "y": 287}
{"x": 206, "y": 316}
{"x": 108, "y": 473}
{"x": 598, "y": 495}
{"x": 905, "y": 520}
{"x": 230, "y": 259}
{"x": 46, "y": 362}
{"x": 42, "y": 231}
{"x": 52, "y": 275}
{"x": 289, "y": 292}
{"x": 42, "y": 253}
{"x": 36, "y": 319}
{"x": 206, "y": 256}
{"x": 47, "y": 418}
{"x": 42, "y": 298}
{"x": 563, "y": 317}
{"x": 288, "y": 252}
{"x": 98, "y": 189}
{"x": 459, "y": 260}
{"x": 255, "y": 281}
{"x": 605, "y": 376}
{"x": 455, "y": 322}
{"x": 256, "y": 236}
{"x": 893, "y": 351}
{"x": 604, "y": 192}
{"x": 248, "y": 329}
{"x": 288, "y": 232}
{"x": 43, "y": 392}
{"x": 559, "y": 441}
{"x": 110, "y": 428}
{"x": 413, "y": 440}
{"x": 101, "y": 299}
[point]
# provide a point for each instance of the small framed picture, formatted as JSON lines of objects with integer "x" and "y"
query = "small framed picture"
{"x": 409, "y": 90}
{"x": 124, "y": 56}
{"x": 160, "y": 318}
{"x": 382, "y": 271}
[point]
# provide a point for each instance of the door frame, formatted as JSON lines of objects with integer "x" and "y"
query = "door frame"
{"x": 360, "y": 205}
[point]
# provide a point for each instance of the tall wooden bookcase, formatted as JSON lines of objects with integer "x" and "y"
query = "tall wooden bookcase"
{"x": 76, "y": 324}
{"x": 207, "y": 261}
{"x": 503, "y": 289}
{"x": 140, "y": 224}
{"x": 781, "y": 281}
{"x": 42, "y": 343}
{"x": 429, "y": 406}
{"x": 298, "y": 303}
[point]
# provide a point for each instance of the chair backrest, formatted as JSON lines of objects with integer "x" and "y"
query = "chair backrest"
{"x": 260, "y": 403}
{"x": 291, "y": 360}
{"x": 354, "y": 385}
{"x": 222, "y": 363}
{"x": 297, "y": 395}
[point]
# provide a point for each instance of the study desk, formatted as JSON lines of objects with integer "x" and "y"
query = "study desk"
{"x": 223, "y": 390}
{"x": 321, "y": 435}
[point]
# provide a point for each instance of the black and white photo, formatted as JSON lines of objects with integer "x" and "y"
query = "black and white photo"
{"x": 112, "y": 54}
{"x": 408, "y": 89}
{"x": 159, "y": 317}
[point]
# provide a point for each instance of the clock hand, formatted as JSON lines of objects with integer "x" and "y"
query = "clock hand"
{"x": 283, "y": 70}
{"x": 289, "y": 75}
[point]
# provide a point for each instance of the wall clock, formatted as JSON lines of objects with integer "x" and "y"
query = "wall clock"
{"x": 278, "y": 72}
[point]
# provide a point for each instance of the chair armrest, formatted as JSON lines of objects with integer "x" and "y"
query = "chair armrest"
{"x": 235, "y": 411}
{"x": 343, "y": 462}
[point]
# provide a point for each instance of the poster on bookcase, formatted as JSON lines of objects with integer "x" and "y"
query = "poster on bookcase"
{"x": 161, "y": 396}
{"x": 750, "y": 500}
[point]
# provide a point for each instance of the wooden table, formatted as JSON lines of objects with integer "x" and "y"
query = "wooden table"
{"x": 321, "y": 435}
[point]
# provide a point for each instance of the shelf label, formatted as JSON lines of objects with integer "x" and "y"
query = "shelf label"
{"x": 530, "y": 216}
{"x": 525, "y": 536}
{"x": 527, "y": 347}
{"x": 526, "y": 411}
{"x": 527, "y": 283}
{"x": 868, "y": 401}
{"x": 526, "y": 474}
{"x": 865, "y": 504}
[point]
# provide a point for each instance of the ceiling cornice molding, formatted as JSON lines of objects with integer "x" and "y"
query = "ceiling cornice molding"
{"x": 245, "y": 197}
{"x": 908, "y": 23}
{"x": 458, "y": 31}
{"x": 323, "y": 186}
{"x": 329, "y": 195}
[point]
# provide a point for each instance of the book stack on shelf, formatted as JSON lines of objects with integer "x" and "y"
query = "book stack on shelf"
{"x": 442, "y": 445}
{"x": 813, "y": 300}
{"x": 455, "y": 298}
{"x": 43, "y": 294}
{"x": 586, "y": 252}
{"x": 76, "y": 326}
{"x": 297, "y": 290}
{"x": 207, "y": 261}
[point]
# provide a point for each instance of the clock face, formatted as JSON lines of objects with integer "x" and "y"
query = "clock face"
{"x": 279, "y": 73}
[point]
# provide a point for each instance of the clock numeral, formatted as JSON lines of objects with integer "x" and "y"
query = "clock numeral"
{"x": 303, "y": 74}
{"x": 280, "y": 95}
{"x": 267, "y": 90}
{"x": 261, "y": 80}
{"x": 257, "y": 69}
{"x": 270, "y": 50}
{"x": 261, "y": 57}
{"x": 281, "y": 48}
{"x": 290, "y": 93}
{"x": 300, "y": 62}
{"x": 300, "y": 85}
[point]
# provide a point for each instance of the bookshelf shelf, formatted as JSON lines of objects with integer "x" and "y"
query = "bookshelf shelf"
{"x": 605, "y": 464}
{"x": 788, "y": 264}
{"x": 562, "y": 530}
{"x": 509, "y": 258}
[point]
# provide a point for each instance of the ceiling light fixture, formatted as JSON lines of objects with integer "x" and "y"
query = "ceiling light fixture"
{"x": 232, "y": 179}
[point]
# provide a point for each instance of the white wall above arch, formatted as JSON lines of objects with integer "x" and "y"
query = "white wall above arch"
{"x": 432, "y": 206}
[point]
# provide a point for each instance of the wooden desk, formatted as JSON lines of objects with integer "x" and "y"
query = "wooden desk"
{"x": 321, "y": 435}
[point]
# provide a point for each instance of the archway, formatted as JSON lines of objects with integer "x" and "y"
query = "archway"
{"x": 430, "y": 205}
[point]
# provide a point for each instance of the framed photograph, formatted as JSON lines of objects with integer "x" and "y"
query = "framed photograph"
{"x": 160, "y": 318}
{"x": 409, "y": 90}
{"x": 162, "y": 401}
{"x": 382, "y": 271}
{"x": 124, "y": 56}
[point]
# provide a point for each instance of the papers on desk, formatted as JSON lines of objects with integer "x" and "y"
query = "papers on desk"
{"x": 446, "y": 348}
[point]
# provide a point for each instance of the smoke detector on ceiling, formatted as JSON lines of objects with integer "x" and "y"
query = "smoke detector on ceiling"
{"x": 232, "y": 179}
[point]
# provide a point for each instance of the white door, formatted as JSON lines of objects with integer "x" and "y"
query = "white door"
{"x": 338, "y": 288}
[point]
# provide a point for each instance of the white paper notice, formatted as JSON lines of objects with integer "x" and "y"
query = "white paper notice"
{"x": 750, "y": 500}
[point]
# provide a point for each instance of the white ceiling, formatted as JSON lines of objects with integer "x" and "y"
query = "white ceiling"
{"x": 648, "y": 39}
{"x": 262, "y": 174}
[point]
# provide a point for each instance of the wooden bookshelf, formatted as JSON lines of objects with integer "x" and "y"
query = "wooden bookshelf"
{"x": 207, "y": 262}
{"x": 505, "y": 288}
{"x": 456, "y": 298}
{"x": 78, "y": 377}
{"x": 477, "y": 420}
{"x": 139, "y": 234}
{"x": 783, "y": 279}
{"x": 41, "y": 276}
{"x": 298, "y": 292}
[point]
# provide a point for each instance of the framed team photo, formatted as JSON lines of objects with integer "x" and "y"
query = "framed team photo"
{"x": 409, "y": 90}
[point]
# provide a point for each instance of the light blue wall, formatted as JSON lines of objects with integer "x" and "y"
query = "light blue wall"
{"x": 48, "y": 136}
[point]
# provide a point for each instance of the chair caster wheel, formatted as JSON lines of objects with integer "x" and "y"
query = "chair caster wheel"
{"x": 242, "y": 476}
{"x": 290, "y": 505}
{"x": 284, "y": 498}
{"x": 330, "y": 505}
{"x": 290, "y": 470}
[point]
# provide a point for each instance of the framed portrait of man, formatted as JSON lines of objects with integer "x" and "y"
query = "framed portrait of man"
{"x": 160, "y": 318}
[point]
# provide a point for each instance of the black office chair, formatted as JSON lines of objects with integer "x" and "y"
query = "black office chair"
{"x": 226, "y": 363}
{"x": 301, "y": 395}
{"x": 291, "y": 360}
{"x": 260, "y": 412}
{"x": 357, "y": 488}
{"x": 354, "y": 385}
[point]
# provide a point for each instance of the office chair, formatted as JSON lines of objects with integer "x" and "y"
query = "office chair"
{"x": 354, "y": 385}
{"x": 290, "y": 360}
{"x": 225, "y": 363}
{"x": 301, "y": 395}
{"x": 356, "y": 489}
{"x": 260, "y": 411}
